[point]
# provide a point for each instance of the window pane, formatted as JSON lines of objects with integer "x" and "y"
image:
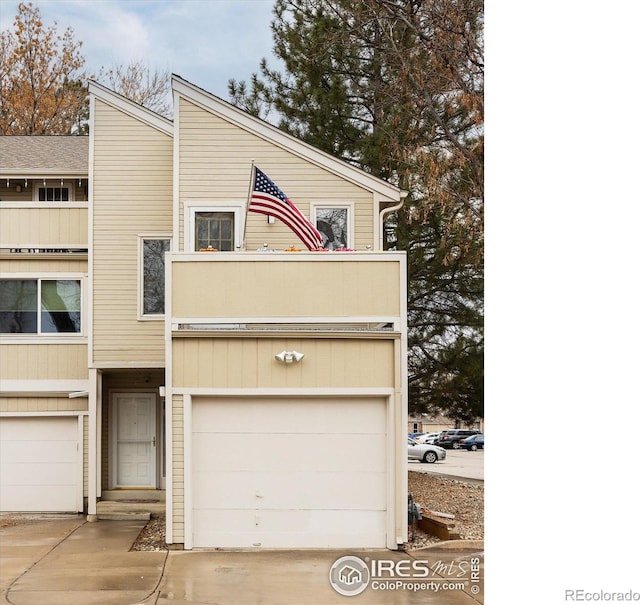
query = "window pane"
{"x": 60, "y": 305}
{"x": 53, "y": 194}
{"x": 332, "y": 224}
{"x": 18, "y": 306}
{"x": 153, "y": 275}
{"x": 215, "y": 230}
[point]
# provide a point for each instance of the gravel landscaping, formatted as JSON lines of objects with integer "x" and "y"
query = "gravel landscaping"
{"x": 453, "y": 497}
{"x": 465, "y": 501}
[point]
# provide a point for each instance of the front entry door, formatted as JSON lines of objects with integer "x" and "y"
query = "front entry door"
{"x": 135, "y": 439}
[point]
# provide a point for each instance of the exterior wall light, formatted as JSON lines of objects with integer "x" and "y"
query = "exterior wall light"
{"x": 289, "y": 357}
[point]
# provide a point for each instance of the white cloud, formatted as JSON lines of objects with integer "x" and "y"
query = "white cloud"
{"x": 205, "y": 41}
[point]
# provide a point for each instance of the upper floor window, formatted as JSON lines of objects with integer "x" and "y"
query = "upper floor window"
{"x": 335, "y": 225}
{"x": 40, "y": 306}
{"x": 213, "y": 228}
{"x": 152, "y": 273}
{"x": 53, "y": 192}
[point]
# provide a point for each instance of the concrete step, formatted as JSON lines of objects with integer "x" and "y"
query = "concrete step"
{"x": 107, "y": 509}
{"x": 134, "y": 494}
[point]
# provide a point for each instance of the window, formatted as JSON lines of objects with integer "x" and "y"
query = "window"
{"x": 214, "y": 230}
{"x": 40, "y": 306}
{"x": 59, "y": 192}
{"x": 153, "y": 275}
{"x": 53, "y": 194}
{"x": 334, "y": 224}
{"x": 213, "y": 227}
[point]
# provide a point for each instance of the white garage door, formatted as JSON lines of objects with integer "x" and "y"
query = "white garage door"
{"x": 306, "y": 473}
{"x": 39, "y": 469}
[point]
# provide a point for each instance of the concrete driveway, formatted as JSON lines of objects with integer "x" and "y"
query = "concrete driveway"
{"x": 64, "y": 561}
{"x": 71, "y": 562}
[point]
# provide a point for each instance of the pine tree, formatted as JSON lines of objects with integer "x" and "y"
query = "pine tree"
{"x": 396, "y": 88}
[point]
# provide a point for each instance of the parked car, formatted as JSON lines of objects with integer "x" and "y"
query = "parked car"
{"x": 473, "y": 443}
{"x": 427, "y": 438}
{"x": 415, "y": 435}
{"x": 425, "y": 452}
{"x": 452, "y": 437}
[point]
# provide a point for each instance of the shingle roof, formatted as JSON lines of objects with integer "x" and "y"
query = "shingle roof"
{"x": 42, "y": 155}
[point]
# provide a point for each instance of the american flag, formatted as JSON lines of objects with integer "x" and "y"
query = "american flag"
{"x": 267, "y": 198}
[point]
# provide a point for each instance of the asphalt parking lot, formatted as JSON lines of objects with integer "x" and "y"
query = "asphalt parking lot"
{"x": 459, "y": 464}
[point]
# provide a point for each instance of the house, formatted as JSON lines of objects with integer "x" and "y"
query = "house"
{"x": 260, "y": 388}
{"x": 43, "y": 323}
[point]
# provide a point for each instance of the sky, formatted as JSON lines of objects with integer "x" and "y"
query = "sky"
{"x": 206, "y": 42}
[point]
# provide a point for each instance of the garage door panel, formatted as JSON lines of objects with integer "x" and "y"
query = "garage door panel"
{"x": 289, "y": 452}
{"x": 273, "y": 490}
{"x": 37, "y": 474}
{"x": 40, "y": 470}
{"x": 233, "y": 416}
{"x": 290, "y": 529}
{"x": 42, "y": 428}
{"x": 38, "y": 498}
{"x": 307, "y": 473}
{"x": 40, "y": 451}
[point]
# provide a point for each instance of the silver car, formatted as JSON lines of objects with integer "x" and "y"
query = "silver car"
{"x": 428, "y": 438}
{"x": 425, "y": 452}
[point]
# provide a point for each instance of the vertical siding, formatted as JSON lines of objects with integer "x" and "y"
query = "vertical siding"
{"x": 215, "y": 165}
{"x": 178, "y": 469}
{"x": 250, "y": 363}
{"x": 132, "y": 195}
{"x": 42, "y": 227}
{"x": 43, "y": 361}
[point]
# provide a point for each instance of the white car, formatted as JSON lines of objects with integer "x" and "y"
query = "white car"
{"x": 425, "y": 452}
{"x": 428, "y": 438}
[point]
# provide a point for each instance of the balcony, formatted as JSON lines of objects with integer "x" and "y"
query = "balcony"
{"x": 314, "y": 291}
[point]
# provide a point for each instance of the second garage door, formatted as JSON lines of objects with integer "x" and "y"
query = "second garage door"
{"x": 290, "y": 473}
{"x": 40, "y": 469}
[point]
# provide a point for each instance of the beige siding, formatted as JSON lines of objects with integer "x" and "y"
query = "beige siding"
{"x": 85, "y": 456}
{"x": 215, "y": 166}
{"x": 43, "y": 361}
{"x": 250, "y": 363}
{"x": 132, "y": 188}
{"x": 359, "y": 286}
{"x": 54, "y": 227}
{"x": 178, "y": 470}
{"x": 43, "y": 404}
{"x": 41, "y": 265}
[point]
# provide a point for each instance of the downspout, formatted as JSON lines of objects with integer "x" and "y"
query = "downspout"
{"x": 383, "y": 214}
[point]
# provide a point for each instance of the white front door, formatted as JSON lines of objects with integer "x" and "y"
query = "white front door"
{"x": 135, "y": 439}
